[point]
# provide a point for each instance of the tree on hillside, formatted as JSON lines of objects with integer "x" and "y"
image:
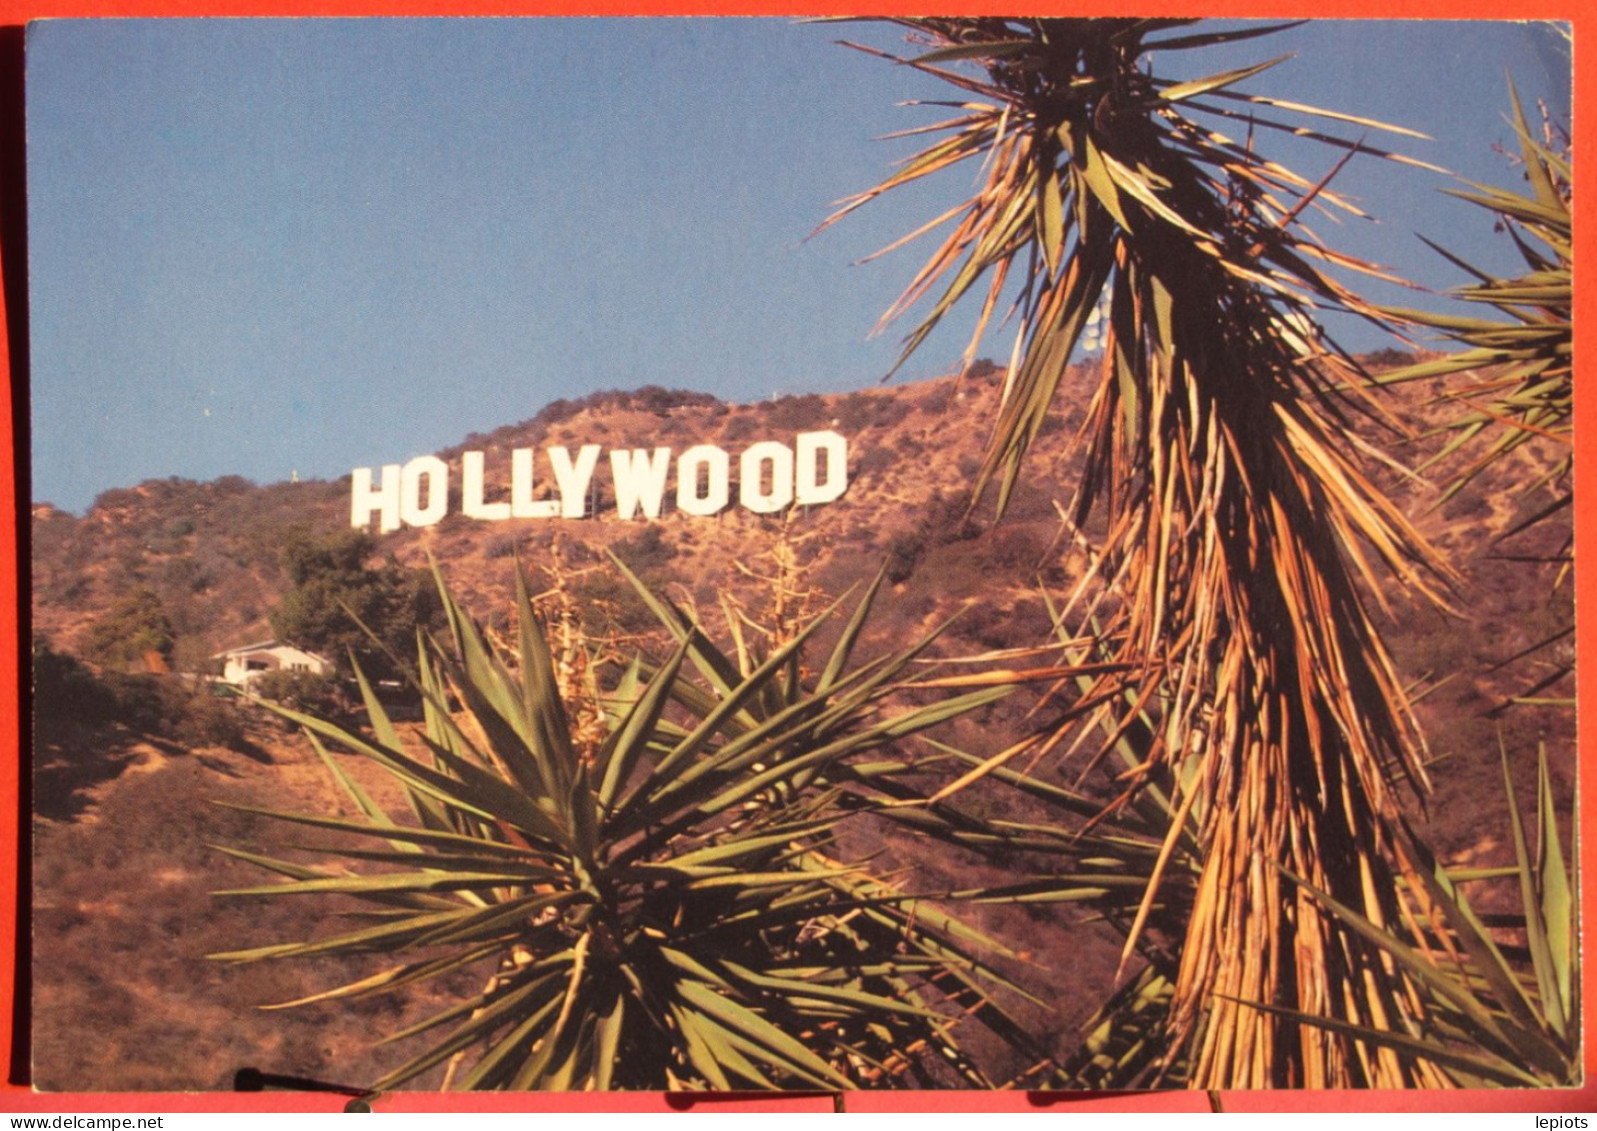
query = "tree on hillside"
{"x": 336, "y": 590}
{"x": 1230, "y": 634}
{"x": 134, "y": 633}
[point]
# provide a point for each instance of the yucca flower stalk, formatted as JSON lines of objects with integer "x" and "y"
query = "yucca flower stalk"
{"x": 666, "y": 906}
{"x": 1239, "y": 528}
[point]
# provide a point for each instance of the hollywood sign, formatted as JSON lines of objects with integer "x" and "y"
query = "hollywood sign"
{"x": 772, "y": 476}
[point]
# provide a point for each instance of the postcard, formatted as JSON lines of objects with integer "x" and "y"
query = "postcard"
{"x": 759, "y": 555}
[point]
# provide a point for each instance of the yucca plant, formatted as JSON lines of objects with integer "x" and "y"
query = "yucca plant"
{"x": 666, "y": 904}
{"x": 1492, "y": 1020}
{"x": 1525, "y": 357}
{"x": 1101, "y": 862}
{"x": 1239, "y": 529}
{"x": 1512, "y": 382}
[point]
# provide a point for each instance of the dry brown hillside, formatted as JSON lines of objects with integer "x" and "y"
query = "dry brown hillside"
{"x": 122, "y": 915}
{"x": 209, "y": 550}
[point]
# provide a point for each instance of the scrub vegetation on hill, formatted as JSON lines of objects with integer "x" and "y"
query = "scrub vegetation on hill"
{"x": 1229, "y": 753}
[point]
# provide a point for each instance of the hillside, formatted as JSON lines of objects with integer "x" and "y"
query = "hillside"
{"x": 209, "y": 550}
{"x": 133, "y": 800}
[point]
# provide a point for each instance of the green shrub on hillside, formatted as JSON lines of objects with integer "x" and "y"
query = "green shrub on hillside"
{"x": 656, "y": 879}
{"x": 299, "y": 690}
{"x": 68, "y": 695}
{"x": 134, "y": 633}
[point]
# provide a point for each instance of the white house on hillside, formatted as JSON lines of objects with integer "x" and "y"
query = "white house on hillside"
{"x": 240, "y": 666}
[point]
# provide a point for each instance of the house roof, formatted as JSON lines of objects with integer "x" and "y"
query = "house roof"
{"x": 261, "y": 647}
{"x": 267, "y": 646}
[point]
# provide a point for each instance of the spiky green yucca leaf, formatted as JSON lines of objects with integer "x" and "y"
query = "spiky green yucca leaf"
{"x": 1513, "y": 380}
{"x": 664, "y": 906}
{"x": 1524, "y": 388}
{"x": 1123, "y": 1046}
{"x": 1491, "y": 1021}
{"x": 1239, "y": 532}
{"x": 1137, "y": 869}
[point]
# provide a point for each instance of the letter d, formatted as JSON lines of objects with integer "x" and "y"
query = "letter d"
{"x": 811, "y": 488}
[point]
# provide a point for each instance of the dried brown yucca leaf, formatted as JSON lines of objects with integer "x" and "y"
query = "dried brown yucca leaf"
{"x": 1240, "y": 527}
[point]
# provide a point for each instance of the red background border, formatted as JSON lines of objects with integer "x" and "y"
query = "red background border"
{"x": 14, "y": 803}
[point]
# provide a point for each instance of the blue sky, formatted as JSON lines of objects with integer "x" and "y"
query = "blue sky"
{"x": 264, "y": 247}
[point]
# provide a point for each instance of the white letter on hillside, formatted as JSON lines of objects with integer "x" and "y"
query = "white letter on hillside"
{"x": 718, "y": 480}
{"x": 385, "y": 499}
{"x": 471, "y": 491}
{"x": 522, "y": 504}
{"x": 639, "y": 480}
{"x": 573, "y": 481}
{"x": 436, "y": 473}
{"x": 810, "y": 488}
{"x": 751, "y": 491}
